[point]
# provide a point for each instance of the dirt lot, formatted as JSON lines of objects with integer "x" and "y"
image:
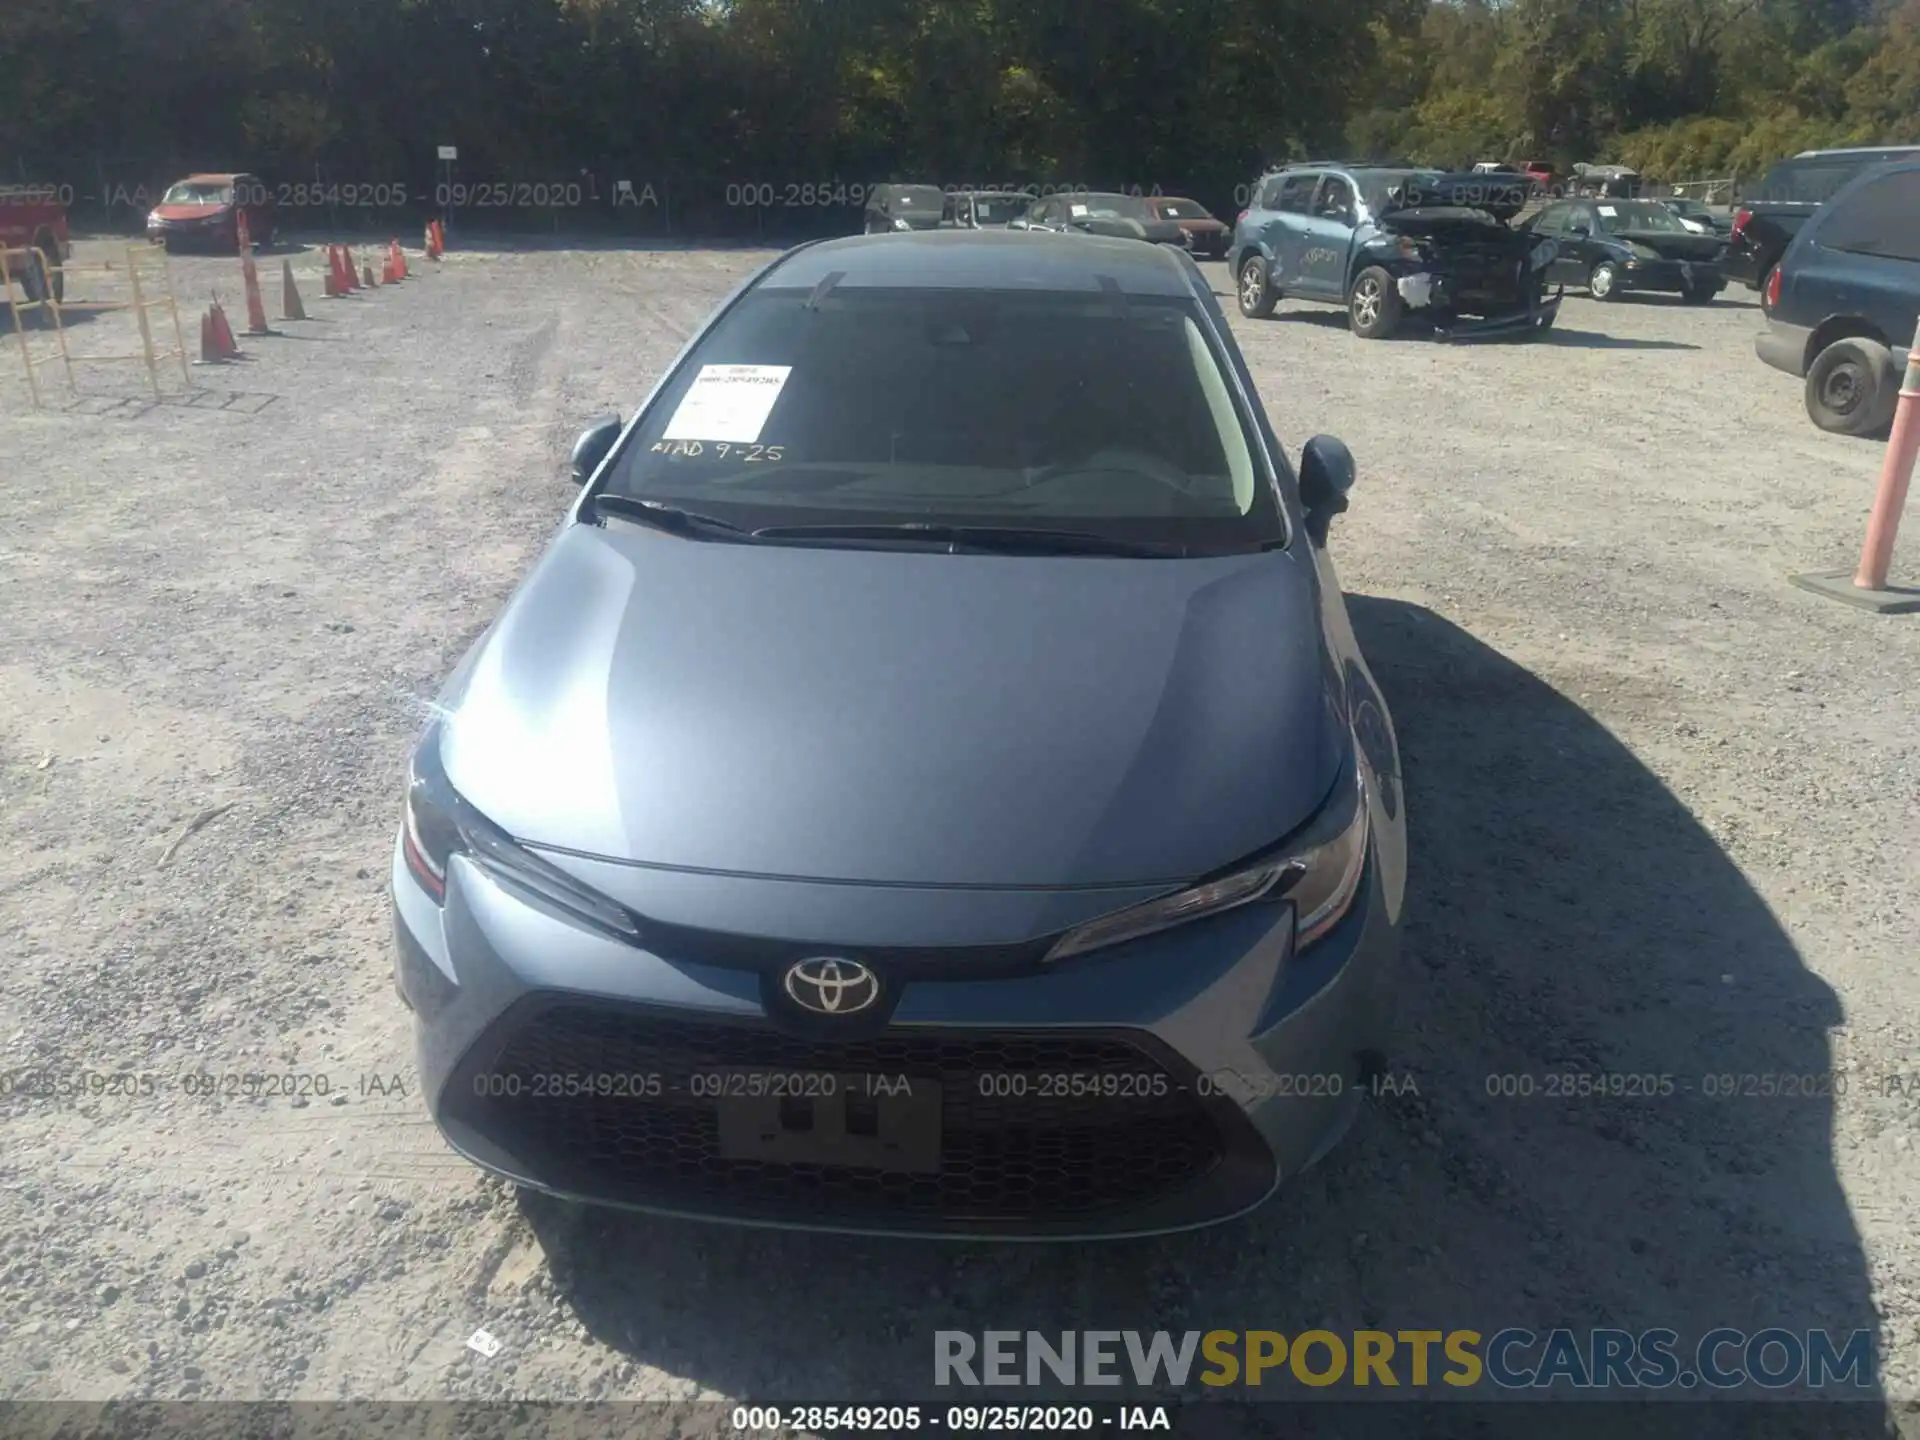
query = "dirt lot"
{"x": 1664, "y": 823}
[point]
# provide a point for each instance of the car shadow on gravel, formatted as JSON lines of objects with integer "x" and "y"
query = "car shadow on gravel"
{"x": 1594, "y": 340}
{"x": 1586, "y": 1127}
{"x": 40, "y": 322}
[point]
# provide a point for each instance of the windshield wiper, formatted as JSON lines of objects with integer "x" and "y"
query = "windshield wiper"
{"x": 1009, "y": 539}
{"x": 671, "y": 518}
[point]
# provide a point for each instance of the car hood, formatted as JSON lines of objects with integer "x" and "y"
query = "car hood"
{"x": 1501, "y": 196}
{"x": 897, "y": 717}
{"x": 1126, "y": 228}
{"x": 190, "y": 212}
{"x": 1670, "y": 246}
{"x": 1442, "y": 221}
{"x": 1202, "y": 227}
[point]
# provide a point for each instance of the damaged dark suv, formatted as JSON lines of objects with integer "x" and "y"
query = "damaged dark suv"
{"x": 1387, "y": 243}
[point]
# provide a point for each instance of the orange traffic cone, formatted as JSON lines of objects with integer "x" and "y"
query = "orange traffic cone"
{"x": 436, "y": 240}
{"x": 223, "y": 333}
{"x": 367, "y": 279}
{"x": 290, "y": 306}
{"x": 209, "y": 349}
{"x": 256, "y": 304}
{"x": 336, "y": 274}
{"x": 426, "y": 243}
{"x": 351, "y": 270}
{"x": 399, "y": 260}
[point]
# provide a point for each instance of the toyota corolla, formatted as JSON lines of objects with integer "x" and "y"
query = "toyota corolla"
{"x": 928, "y": 784}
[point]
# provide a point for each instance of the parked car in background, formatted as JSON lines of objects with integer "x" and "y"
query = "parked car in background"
{"x": 203, "y": 212}
{"x": 1542, "y": 177}
{"x": 1696, "y": 215}
{"x": 1099, "y": 212}
{"x": 986, "y": 209}
{"x": 1845, "y": 299}
{"x": 905, "y": 207}
{"x": 1384, "y": 242}
{"x": 1611, "y": 182}
{"x": 1206, "y": 236}
{"x": 33, "y": 232}
{"x": 1768, "y": 218}
{"x": 1610, "y": 247}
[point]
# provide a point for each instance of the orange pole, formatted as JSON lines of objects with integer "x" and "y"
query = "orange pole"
{"x": 1896, "y": 474}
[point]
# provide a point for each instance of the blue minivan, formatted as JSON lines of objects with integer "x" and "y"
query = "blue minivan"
{"x": 1843, "y": 302}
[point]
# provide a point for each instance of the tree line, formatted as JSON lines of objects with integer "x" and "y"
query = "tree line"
{"x": 747, "y": 113}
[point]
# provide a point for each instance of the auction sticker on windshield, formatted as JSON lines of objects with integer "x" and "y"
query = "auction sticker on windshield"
{"x": 728, "y": 402}
{"x": 1607, "y": 210}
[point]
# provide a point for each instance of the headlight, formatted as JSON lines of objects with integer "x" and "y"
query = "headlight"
{"x": 1318, "y": 871}
{"x": 439, "y": 824}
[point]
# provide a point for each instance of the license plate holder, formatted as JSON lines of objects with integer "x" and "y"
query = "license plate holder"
{"x": 873, "y": 1122}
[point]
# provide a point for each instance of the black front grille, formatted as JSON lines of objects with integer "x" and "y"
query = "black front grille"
{"x": 1008, "y": 1152}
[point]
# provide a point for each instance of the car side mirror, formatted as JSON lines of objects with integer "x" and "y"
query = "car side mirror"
{"x": 592, "y": 447}
{"x": 1326, "y": 475}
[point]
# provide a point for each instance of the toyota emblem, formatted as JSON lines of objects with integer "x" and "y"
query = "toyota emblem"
{"x": 832, "y": 987}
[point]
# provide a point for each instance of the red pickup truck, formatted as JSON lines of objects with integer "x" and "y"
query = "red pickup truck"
{"x": 33, "y": 232}
{"x": 1541, "y": 174}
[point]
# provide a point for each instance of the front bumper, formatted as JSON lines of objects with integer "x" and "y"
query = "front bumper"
{"x": 221, "y": 228}
{"x": 1536, "y": 318}
{"x": 1227, "y": 1064}
{"x": 1670, "y": 276}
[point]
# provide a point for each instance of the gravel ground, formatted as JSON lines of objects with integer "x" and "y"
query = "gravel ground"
{"x": 1663, "y": 822}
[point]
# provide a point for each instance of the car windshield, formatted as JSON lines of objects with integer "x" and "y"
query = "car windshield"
{"x": 198, "y": 192}
{"x": 998, "y": 209}
{"x": 1109, "y": 207}
{"x": 1182, "y": 210}
{"x": 1693, "y": 209}
{"x": 1065, "y": 410}
{"x": 1812, "y": 181}
{"x": 1382, "y": 189}
{"x": 917, "y": 197}
{"x": 1638, "y": 215}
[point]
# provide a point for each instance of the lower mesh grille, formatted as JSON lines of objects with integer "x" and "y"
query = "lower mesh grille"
{"x": 599, "y": 1101}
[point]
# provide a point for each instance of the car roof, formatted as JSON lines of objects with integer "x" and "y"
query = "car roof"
{"x": 209, "y": 178}
{"x": 1354, "y": 167}
{"x": 986, "y": 260}
{"x": 1861, "y": 150}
